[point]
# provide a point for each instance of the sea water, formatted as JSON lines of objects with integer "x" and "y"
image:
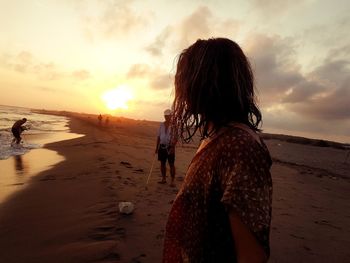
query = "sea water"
{"x": 20, "y": 163}
{"x": 40, "y": 125}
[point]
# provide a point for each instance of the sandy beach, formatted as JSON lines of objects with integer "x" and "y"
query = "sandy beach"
{"x": 69, "y": 213}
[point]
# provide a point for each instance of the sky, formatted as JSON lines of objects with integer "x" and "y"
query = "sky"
{"x": 68, "y": 54}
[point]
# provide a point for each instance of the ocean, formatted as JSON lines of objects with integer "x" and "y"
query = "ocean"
{"x": 20, "y": 163}
{"x": 40, "y": 125}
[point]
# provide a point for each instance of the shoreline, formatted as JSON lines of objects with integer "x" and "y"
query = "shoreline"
{"x": 18, "y": 170}
{"x": 70, "y": 212}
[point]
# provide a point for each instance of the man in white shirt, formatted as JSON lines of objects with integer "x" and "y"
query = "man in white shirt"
{"x": 166, "y": 148}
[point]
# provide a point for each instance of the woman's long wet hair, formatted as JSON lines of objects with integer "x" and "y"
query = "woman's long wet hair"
{"x": 214, "y": 85}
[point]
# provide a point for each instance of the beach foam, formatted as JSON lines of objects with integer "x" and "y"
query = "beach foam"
{"x": 8, "y": 149}
{"x": 49, "y": 127}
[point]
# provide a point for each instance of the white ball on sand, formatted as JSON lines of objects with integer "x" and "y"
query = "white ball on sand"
{"x": 126, "y": 207}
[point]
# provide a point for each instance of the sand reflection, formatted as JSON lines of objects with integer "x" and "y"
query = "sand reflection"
{"x": 17, "y": 171}
{"x": 20, "y": 166}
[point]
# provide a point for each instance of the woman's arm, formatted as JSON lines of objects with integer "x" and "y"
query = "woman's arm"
{"x": 246, "y": 246}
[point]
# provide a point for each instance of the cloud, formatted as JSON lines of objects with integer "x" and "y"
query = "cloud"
{"x": 269, "y": 8}
{"x": 154, "y": 103}
{"x": 111, "y": 19}
{"x": 157, "y": 78}
{"x": 275, "y": 66}
{"x": 195, "y": 26}
{"x": 303, "y": 92}
{"x": 317, "y": 94}
{"x": 334, "y": 106}
{"x": 81, "y": 74}
{"x": 340, "y": 52}
{"x": 25, "y": 62}
{"x": 156, "y": 48}
{"x": 200, "y": 24}
{"x": 162, "y": 81}
{"x": 331, "y": 102}
{"x": 119, "y": 17}
{"x": 21, "y": 63}
{"x": 331, "y": 34}
{"x": 139, "y": 71}
{"x": 297, "y": 100}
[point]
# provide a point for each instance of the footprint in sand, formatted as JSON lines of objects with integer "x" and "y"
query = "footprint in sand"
{"x": 70, "y": 178}
{"x": 126, "y": 164}
{"x": 137, "y": 259}
{"x": 102, "y": 235}
{"x": 111, "y": 257}
{"x": 105, "y": 180}
{"x": 285, "y": 214}
{"x": 306, "y": 248}
{"x": 84, "y": 173}
{"x": 107, "y": 232}
{"x": 298, "y": 237}
{"x": 105, "y": 167}
{"x": 104, "y": 228}
{"x": 327, "y": 223}
{"x": 106, "y": 209}
{"x": 49, "y": 177}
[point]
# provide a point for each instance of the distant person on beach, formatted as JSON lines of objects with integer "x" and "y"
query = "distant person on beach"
{"x": 165, "y": 148}
{"x": 17, "y": 129}
{"x": 99, "y": 119}
{"x": 222, "y": 212}
{"x": 107, "y": 121}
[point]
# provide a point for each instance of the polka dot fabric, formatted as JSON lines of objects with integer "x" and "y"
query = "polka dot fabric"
{"x": 229, "y": 173}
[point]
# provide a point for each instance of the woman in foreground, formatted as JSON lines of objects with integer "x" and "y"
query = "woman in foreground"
{"x": 222, "y": 212}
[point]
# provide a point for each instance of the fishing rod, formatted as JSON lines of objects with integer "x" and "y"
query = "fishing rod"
{"x": 150, "y": 172}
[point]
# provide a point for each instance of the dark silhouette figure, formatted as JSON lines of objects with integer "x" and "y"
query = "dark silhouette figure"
{"x": 99, "y": 119}
{"x": 17, "y": 129}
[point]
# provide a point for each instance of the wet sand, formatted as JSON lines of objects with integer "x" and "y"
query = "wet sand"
{"x": 16, "y": 171}
{"x": 70, "y": 212}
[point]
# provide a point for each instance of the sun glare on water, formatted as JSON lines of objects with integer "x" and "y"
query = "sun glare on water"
{"x": 117, "y": 98}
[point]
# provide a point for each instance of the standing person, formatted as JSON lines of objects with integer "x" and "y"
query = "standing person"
{"x": 17, "y": 129}
{"x": 166, "y": 148}
{"x": 99, "y": 119}
{"x": 222, "y": 212}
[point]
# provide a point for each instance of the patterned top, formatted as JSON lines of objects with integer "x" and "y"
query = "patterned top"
{"x": 230, "y": 172}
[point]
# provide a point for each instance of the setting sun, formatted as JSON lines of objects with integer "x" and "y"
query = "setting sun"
{"x": 117, "y": 98}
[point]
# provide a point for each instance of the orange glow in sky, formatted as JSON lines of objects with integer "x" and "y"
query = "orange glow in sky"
{"x": 117, "y": 98}
{"x": 120, "y": 57}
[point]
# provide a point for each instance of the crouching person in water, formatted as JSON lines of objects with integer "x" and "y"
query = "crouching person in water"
{"x": 222, "y": 212}
{"x": 165, "y": 148}
{"x": 17, "y": 129}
